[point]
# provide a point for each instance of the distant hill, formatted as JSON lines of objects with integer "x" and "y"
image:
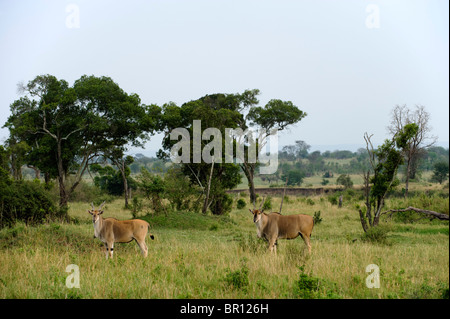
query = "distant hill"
{"x": 354, "y": 147}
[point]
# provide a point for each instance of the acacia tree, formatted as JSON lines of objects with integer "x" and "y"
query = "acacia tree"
{"x": 381, "y": 177}
{"x": 417, "y": 145}
{"x": 218, "y": 111}
{"x": 226, "y": 111}
{"x": 275, "y": 115}
{"x": 67, "y": 127}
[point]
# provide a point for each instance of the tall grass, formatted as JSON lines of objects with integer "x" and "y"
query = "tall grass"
{"x": 196, "y": 256}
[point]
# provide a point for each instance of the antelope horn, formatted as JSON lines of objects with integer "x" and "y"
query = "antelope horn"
{"x": 262, "y": 202}
{"x": 101, "y": 206}
{"x": 92, "y": 205}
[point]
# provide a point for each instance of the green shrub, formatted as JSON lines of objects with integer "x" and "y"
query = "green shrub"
{"x": 179, "y": 191}
{"x": 222, "y": 203}
{"x": 26, "y": 201}
{"x": 238, "y": 279}
{"x": 310, "y": 287}
{"x": 317, "y": 218}
{"x": 241, "y": 203}
{"x": 306, "y": 286}
{"x": 345, "y": 181}
{"x": 377, "y": 235}
{"x": 84, "y": 192}
{"x": 136, "y": 207}
{"x": 333, "y": 199}
{"x": 267, "y": 204}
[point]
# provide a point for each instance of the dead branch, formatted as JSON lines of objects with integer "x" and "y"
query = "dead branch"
{"x": 423, "y": 211}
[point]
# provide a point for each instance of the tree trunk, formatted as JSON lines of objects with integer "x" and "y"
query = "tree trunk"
{"x": 63, "y": 198}
{"x": 249, "y": 170}
{"x": 376, "y": 221}
{"x": 363, "y": 221}
{"x": 205, "y": 203}
{"x": 63, "y": 195}
{"x": 16, "y": 168}
{"x": 121, "y": 167}
{"x": 408, "y": 172}
{"x": 47, "y": 178}
{"x": 251, "y": 188}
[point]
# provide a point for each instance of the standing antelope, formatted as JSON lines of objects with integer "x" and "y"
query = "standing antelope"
{"x": 274, "y": 225}
{"x": 111, "y": 230}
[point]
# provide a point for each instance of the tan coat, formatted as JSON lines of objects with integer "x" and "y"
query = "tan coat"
{"x": 111, "y": 230}
{"x": 274, "y": 226}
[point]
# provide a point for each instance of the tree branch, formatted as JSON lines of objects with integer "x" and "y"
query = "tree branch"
{"x": 74, "y": 131}
{"x": 440, "y": 216}
{"x": 44, "y": 127}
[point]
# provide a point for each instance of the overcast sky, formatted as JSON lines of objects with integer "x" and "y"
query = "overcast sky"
{"x": 346, "y": 63}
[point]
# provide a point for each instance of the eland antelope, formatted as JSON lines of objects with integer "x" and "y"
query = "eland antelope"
{"x": 273, "y": 226}
{"x": 111, "y": 230}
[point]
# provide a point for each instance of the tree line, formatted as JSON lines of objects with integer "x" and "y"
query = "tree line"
{"x": 60, "y": 131}
{"x": 298, "y": 162}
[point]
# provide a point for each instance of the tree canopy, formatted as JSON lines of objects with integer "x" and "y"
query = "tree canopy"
{"x": 65, "y": 128}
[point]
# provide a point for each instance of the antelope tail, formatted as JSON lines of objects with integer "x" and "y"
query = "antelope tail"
{"x": 151, "y": 236}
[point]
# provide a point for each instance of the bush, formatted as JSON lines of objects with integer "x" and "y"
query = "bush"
{"x": 310, "y": 287}
{"x": 267, "y": 204}
{"x": 241, "y": 203}
{"x": 221, "y": 204}
{"x": 136, "y": 207}
{"x": 333, "y": 199}
{"x": 84, "y": 192}
{"x": 238, "y": 279}
{"x": 345, "y": 181}
{"x": 25, "y": 201}
{"x": 179, "y": 191}
{"x": 377, "y": 234}
{"x": 306, "y": 286}
{"x": 153, "y": 187}
{"x": 317, "y": 218}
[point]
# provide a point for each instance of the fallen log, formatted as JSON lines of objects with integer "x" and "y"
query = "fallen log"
{"x": 423, "y": 211}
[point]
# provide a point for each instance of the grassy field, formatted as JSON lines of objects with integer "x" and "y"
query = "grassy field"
{"x": 195, "y": 256}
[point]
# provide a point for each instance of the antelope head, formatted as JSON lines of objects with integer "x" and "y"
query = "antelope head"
{"x": 96, "y": 212}
{"x": 257, "y": 212}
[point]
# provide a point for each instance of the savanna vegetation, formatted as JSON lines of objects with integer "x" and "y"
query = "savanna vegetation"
{"x": 197, "y": 256}
{"x": 68, "y": 148}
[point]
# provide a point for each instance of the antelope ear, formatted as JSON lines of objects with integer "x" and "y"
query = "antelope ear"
{"x": 250, "y": 210}
{"x": 90, "y": 212}
{"x": 100, "y": 212}
{"x": 261, "y": 211}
